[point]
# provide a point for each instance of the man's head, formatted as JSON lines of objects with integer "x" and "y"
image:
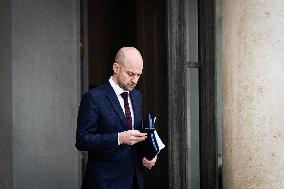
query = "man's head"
{"x": 127, "y": 68}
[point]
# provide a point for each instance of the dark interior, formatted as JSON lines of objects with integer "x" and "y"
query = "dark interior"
{"x": 113, "y": 24}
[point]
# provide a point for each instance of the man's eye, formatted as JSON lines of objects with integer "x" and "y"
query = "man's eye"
{"x": 130, "y": 73}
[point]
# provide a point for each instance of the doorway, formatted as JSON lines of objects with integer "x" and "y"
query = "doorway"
{"x": 108, "y": 25}
{"x": 159, "y": 29}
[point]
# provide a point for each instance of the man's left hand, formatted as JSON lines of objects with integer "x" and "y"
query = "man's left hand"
{"x": 149, "y": 163}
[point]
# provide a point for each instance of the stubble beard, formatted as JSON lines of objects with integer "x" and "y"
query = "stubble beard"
{"x": 125, "y": 86}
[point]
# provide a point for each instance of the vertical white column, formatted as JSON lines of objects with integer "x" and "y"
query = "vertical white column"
{"x": 45, "y": 93}
{"x": 253, "y": 93}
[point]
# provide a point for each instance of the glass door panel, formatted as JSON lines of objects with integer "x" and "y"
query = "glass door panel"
{"x": 193, "y": 97}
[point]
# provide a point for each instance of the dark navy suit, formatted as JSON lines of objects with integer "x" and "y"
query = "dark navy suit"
{"x": 100, "y": 118}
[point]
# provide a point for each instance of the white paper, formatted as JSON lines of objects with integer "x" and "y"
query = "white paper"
{"x": 159, "y": 141}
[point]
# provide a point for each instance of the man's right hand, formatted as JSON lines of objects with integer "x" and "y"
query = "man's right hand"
{"x": 131, "y": 137}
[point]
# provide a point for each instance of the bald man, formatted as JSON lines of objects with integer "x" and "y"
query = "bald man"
{"x": 109, "y": 127}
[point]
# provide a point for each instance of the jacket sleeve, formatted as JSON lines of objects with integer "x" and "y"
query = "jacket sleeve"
{"x": 87, "y": 136}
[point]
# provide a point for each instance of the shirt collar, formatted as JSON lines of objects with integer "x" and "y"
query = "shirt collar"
{"x": 117, "y": 89}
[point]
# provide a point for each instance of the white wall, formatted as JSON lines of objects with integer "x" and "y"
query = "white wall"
{"x": 45, "y": 93}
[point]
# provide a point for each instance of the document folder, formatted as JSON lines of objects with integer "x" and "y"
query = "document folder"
{"x": 153, "y": 144}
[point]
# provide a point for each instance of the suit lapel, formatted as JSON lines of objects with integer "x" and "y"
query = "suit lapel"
{"x": 115, "y": 104}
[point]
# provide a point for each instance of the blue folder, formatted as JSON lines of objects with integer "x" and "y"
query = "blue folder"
{"x": 149, "y": 146}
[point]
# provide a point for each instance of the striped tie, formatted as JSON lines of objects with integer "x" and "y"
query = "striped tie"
{"x": 127, "y": 109}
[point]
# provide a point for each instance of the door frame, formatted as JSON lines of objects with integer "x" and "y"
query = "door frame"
{"x": 176, "y": 79}
{"x": 207, "y": 72}
{"x": 177, "y": 24}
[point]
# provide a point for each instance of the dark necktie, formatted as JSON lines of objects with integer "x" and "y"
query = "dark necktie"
{"x": 127, "y": 109}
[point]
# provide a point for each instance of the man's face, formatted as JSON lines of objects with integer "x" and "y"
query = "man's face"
{"x": 128, "y": 73}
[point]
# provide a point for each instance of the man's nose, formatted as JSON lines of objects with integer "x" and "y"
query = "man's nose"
{"x": 135, "y": 79}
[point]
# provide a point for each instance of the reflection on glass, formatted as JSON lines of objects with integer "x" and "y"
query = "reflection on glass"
{"x": 193, "y": 98}
{"x": 193, "y": 127}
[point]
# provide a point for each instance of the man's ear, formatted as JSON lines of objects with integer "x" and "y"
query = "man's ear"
{"x": 115, "y": 68}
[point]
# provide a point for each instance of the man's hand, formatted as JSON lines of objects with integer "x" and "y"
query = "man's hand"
{"x": 131, "y": 137}
{"x": 149, "y": 163}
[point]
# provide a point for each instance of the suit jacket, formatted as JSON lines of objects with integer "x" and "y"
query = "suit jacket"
{"x": 100, "y": 119}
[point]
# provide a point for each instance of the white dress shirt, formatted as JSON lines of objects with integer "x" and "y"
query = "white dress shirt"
{"x": 118, "y": 90}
